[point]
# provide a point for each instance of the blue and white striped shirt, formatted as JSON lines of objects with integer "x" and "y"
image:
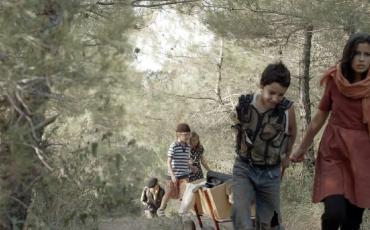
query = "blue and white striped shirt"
{"x": 180, "y": 154}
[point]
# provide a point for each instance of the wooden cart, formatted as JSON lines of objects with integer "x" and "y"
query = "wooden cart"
{"x": 214, "y": 202}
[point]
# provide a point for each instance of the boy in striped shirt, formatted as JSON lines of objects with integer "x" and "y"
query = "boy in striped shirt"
{"x": 178, "y": 166}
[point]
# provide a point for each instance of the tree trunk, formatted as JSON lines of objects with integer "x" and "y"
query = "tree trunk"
{"x": 304, "y": 91}
{"x": 219, "y": 73}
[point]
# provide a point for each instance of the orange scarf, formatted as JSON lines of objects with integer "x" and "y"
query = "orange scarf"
{"x": 357, "y": 90}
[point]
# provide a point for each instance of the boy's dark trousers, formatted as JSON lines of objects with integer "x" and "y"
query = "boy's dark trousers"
{"x": 339, "y": 212}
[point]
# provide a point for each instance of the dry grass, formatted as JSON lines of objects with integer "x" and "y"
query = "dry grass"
{"x": 297, "y": 209}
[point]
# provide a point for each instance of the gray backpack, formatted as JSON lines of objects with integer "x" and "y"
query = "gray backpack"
{"x": 262, "y": 138}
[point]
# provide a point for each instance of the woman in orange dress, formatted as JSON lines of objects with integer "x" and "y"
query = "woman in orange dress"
{"x": 342, "y": 173}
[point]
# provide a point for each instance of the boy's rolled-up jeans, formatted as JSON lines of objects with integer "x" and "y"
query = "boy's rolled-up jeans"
{"x": 261, "y": 184}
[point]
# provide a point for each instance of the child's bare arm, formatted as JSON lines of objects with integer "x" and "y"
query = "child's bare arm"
{"x": 292, "y": 128}
{"x": 170, "y": 171}
{"x": 315, "y": 125}
{"x": 143, "y": 198}
{"x": 204, "y": 163}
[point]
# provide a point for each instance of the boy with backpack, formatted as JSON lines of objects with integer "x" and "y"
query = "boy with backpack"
{"x": 266, "y": 130}
{"x": 178, "y": 166}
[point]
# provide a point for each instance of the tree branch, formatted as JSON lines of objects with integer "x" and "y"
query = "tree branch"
{"x": 138, "y": 3}
{"x": 18, "y": 201}
{"x": 105, "y": 3}
{"x": 38, "y": 152}
{"x": 45, "y": 123}
{"x": 29, "y": 120}
{"x": 20, "y": 99}
{"x": 196, "y": 98}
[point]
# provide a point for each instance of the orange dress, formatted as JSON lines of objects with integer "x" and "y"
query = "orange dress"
{"x": 343, "y": 160}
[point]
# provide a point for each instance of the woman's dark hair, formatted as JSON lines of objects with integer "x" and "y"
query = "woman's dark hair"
{"x": 349, "y": 53}
{"x": 195, "y": 135}
{"x": 276, "y": 72}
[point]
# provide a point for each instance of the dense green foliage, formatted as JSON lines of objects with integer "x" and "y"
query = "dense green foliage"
{"x": 107, "y": 125}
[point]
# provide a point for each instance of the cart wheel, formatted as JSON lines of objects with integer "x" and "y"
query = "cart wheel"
{"x": 189, "y": 225}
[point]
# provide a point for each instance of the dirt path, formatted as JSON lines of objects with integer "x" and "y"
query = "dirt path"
{"x": 139, "y": 223}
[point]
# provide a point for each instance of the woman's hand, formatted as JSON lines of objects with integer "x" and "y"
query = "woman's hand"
{"x": 315, "y": 125}
{"x": 285, "y": 163}
{"x": 297, "y": 156}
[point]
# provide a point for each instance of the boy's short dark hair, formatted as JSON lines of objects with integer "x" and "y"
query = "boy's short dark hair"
{"x": 276, "y": 72}
{"x": 152, "y": 182}
{"x": 183, "y": 128}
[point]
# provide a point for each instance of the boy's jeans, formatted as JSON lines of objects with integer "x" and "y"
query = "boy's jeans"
{"x": 263, "y": 185}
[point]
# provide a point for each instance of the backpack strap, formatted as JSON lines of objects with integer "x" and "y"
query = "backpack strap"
{"x": 243, "y": 105}
{"x": 280, "y": 109}
{"x": 285, "y": 104}
{"x": 241, "y": 109}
